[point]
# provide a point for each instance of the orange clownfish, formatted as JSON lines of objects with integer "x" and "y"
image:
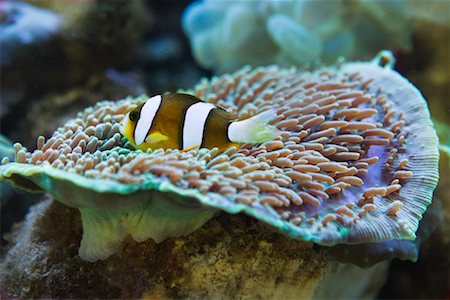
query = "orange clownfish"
{"x": 182, "y": 121}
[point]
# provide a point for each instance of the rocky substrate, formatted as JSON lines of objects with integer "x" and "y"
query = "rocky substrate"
{"x": 231, "y": 256}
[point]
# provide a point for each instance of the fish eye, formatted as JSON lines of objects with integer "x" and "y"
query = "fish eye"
{"x": 134, "y": 116}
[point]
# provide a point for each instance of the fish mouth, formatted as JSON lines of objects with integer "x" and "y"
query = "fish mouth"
{"x": 123, "y": 124}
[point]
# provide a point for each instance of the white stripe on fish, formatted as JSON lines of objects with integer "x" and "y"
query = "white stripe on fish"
{"x": 194, "y": 124}
{"x": 148, "y": 113}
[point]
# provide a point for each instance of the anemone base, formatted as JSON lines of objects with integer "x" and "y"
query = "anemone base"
{"x": 156, "y": 218}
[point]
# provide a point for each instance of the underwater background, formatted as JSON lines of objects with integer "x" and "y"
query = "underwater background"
{"x": 59, "y": 57}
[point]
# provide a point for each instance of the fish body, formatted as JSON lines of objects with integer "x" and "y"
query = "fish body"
{"x": 182, "y": 121}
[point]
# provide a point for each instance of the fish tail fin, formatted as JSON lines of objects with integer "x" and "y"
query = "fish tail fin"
{"x": 255, "y": 129}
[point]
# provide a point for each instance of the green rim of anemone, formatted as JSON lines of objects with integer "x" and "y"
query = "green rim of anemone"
{"x": 47, "y": 174}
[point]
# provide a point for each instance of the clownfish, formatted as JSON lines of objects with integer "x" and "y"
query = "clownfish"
{"x": 184, "y": 122}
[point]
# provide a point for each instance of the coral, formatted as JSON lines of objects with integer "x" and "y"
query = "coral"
{"x": 443, "y": 132}
{"x": 232, "y": 256}
{"x": 6, "y": 150}
{"x": 437, "y": 12}
{"x": 225, "y": 35}
{"x": 21, "y": 25}
{"x": 356, "y": 162}
{"x": 14, "y": 203}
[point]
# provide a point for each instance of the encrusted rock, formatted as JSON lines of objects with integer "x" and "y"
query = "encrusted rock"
{"x": 231, "y": 256}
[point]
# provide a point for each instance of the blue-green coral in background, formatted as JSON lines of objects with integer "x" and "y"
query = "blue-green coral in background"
{"x": 21, "y": 25}
{"x": 225, "y": 35}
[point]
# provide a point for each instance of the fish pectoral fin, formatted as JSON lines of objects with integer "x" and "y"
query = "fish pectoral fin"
{"x": 190, "y": 148}
{"x": 156, "y": 137}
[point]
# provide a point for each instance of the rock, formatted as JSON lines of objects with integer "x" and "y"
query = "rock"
{"x": 231, "y": 256}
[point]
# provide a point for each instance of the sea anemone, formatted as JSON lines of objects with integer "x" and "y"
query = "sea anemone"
{"x": 356, "y": 162}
